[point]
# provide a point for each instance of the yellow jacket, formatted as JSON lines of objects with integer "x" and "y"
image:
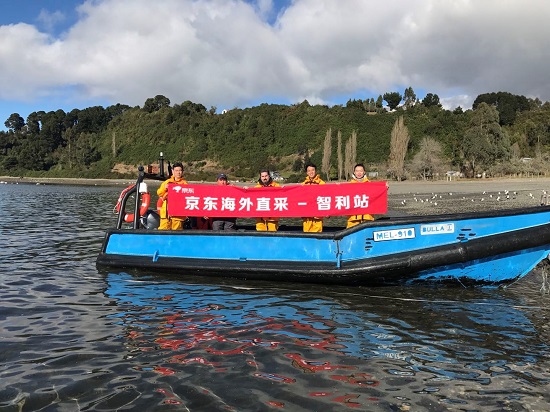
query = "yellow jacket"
{"x": 162, "y": 191}
{"x": 315, "y": 181}
{"x": 271, "y": 184}
{"x": 359, "y": 218}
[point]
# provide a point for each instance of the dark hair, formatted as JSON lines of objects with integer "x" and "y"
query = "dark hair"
{"x": 265, "y": 171}
{"x": 311, "y": 165}
{"x": 177, "y": 164}
{"x": 359, "y": 164}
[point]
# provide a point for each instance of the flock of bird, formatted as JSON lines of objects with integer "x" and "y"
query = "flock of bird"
{"x": 487, "y": 199}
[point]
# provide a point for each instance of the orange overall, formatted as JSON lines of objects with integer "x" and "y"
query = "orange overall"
{"x": 267, "y": 224}
{"x": 313, "y": 224}
{"x": 356, "y": 219}
{"x": 169, "y": 222}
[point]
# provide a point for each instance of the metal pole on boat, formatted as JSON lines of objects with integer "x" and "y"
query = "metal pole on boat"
{"x": 122, "y": 212}
{"x": 161, "y": 165}
{"x": 141, "y": 175}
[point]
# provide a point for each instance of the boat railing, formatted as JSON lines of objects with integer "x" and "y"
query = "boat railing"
{"x": 124, "y": 200}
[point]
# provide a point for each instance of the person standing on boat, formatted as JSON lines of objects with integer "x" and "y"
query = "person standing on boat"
{"x": 171, "y": 222}
{"x": 267, "y": 224}
{"x": 223, "y": 223}
{"x": 359, "y": 176}
{"x": 312, "y": 224}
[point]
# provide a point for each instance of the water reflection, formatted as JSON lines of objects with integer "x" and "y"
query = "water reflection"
{"x": 75, "y": 339}
{"x": 319, "y": 347}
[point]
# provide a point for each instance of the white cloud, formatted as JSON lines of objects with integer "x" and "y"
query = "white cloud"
{"x": 225, "y": 53}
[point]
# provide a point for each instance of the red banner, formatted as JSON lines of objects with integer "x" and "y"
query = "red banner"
{"x": 332, "y": 199}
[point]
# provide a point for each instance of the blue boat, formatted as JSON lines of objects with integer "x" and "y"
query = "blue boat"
{"x": 481, "y": 248}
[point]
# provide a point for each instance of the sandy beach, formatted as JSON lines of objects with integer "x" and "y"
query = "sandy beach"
{"x": 408, "y": 197}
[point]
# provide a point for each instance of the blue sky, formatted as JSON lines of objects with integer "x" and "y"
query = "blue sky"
{"x": 61, "y": 54}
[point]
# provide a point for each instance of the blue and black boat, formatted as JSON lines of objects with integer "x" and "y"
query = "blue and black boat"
{"x": 481, "y": 248}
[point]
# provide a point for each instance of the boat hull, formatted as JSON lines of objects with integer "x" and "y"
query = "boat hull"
{"x": 488, "y": 248}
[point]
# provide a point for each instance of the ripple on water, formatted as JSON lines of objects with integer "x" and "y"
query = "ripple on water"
{"x": 72, "y": 338}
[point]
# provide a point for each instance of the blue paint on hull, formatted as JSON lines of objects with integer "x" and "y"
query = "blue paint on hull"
{"x": 484, "y": 248}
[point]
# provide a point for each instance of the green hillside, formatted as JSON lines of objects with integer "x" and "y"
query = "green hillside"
{"x": 502, "y": 134}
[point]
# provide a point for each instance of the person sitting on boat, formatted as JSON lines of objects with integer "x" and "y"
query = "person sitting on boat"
{"x": 171, "y": 222}
{"x": 312, "y": 224}
{"x": 267, "y": 224}
{"x": 223, "y": 223}
{"x": 359, "y": 176}
{"x": 199, "y": 223}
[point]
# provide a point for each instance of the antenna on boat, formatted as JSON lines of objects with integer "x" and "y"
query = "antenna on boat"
{"x": 161, "y": 165}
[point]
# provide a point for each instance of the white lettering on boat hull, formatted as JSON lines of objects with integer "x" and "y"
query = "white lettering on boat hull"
{"x": 437, "y": 229}
{"x": 395, "y": 234}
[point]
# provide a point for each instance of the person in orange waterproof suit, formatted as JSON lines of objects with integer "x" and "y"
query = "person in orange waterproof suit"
{"x": 312, "y": 224}
{"x": 359, "y": 176}
{"x": 266, "y": 224}
{"x": 171, "y": 222}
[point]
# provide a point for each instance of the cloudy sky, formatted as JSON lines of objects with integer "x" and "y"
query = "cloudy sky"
{"x": 66, "y": 54}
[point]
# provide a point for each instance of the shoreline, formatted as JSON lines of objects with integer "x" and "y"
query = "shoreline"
{"x": 74, "y": 181}
{"x": 404, "y": 198}
{"x": 395, "y": 188}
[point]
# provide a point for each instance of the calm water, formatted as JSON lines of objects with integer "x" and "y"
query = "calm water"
{"x": 73, "y": 338}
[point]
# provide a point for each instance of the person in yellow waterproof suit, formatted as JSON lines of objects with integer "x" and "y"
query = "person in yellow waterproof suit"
{"x": 312, "y": 224}
{"x": 359, "y": 176}
{"x": 171, "y": 222}
{"x": 266, "y": 224}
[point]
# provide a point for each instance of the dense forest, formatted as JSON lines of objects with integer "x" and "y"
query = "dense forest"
{"x": 502, "y": 134}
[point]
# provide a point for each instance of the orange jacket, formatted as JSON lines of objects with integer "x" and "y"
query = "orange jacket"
{"x": 315, "y": 181}
{"x": 360, "y": 217}
{"x": 271, "y": 184}
{"x": 162, "y": 192}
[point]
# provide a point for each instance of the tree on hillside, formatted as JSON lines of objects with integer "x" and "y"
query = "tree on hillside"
{"x": 15, "y": 122}
{"x": 327, "y": 152}
{"x": 429, "y": 160}
{"x": 409, "y": 98}
{"x": 484, "y": 142}
{"x": 399, "y": 144}
{"x": 350, "y": 154}
{"x": 153, "y": 104}
{"x": 379, "y": 103}
{"x": 340, "y": 159}
{"x": 507, "y": 104}
{"x": 393, "y": 99}
{"x": 92, "y": 120}
{"x": 33, "y": 122}
{"x": 431, "y": 100}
